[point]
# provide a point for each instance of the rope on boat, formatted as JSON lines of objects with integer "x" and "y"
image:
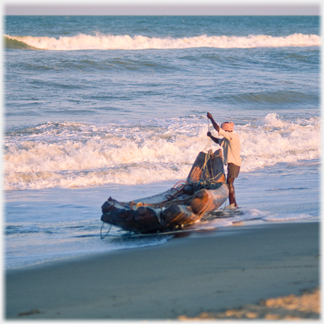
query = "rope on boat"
{"x": 209, "y": 181}
{"x": 103, "y": 236}
{"x": 179, "y": 184}
{"x": 210, "y": 178}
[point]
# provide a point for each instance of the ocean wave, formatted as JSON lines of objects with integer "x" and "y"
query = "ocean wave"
{"x": 28, "y": 229}
{"x": 288, "y": 217}
{"x": 126, "y": 42}
{"x": 12, "y": 43}
{"x": 75, "y": 155}
{"x": 81, "y": 228}
{"x": 275, "y": 97}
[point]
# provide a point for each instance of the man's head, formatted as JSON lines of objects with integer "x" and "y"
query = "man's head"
{"x": 228, "y": 126}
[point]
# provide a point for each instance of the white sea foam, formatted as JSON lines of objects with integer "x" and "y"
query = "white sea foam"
{"x": 72, "y": 155}
{"x": 126, "y": 42}
{"x": 285, "y": 217}
{"x": 274, "y": 140}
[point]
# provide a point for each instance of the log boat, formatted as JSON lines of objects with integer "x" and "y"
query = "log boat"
{"x": 185, "y": 203}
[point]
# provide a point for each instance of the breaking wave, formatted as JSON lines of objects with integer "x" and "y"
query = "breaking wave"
{"x": 76, "y": 155}
{"x": 12, "y": 43}
{"x": 126, "y": 42}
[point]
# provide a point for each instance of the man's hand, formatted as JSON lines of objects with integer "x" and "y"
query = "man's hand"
{"x": 209, "y": 116}
{"x": 209, "y": 134}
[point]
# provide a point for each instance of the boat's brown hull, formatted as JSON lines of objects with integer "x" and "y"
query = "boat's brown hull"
{"x": 146, "y": 219}
{"x": 204, "y": 191}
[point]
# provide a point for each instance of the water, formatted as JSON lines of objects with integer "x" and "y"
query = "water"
{"x": 99, "y": 106}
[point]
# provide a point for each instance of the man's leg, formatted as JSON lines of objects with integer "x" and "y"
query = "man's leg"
{"x": 232, "y": 200}
{"x": 232, "y": 173}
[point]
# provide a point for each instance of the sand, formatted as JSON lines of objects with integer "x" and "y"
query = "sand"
{"x": 185, "y": 278}
{"x": 292, "y": 307}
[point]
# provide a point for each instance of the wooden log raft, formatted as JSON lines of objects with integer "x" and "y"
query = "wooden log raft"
{"x": 204, "y": 191}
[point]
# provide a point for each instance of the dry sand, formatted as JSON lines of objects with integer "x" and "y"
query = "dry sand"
{"x": 292, "y": 307}
{"x": 186, "y": 278}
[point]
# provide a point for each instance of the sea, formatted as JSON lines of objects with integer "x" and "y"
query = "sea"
{"x": 115, "y": 106}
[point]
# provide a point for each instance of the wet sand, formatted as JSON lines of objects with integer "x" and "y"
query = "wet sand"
{"x": 201, "y": 273}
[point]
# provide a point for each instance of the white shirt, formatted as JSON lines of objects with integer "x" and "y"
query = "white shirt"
{"x": 231, "y": 147}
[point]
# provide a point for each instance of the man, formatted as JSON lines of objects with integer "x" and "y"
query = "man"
{"x": 231, "y": 148}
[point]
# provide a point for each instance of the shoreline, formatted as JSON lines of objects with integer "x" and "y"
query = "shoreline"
{"x": 203, "y": 272}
